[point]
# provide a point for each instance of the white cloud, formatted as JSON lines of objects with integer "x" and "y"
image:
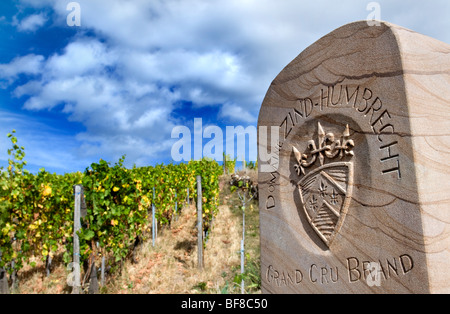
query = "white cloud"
{"x": 125, "y": 86}
{"x": 81, "y": 57}
{"x": 236, "y": 113}
{"x": 121, "y": 115}
{"x": 30, "y": 23}
{"x": 30, "y": 64}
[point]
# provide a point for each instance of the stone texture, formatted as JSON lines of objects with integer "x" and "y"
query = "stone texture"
{"x": 359, "y": 200}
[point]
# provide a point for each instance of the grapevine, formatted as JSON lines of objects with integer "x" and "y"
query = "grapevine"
{"x": 37, "y": 210}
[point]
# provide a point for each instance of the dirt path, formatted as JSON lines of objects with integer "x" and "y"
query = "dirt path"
{"x": 171, "y": 266}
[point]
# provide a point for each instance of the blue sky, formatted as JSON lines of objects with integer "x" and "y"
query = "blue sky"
{"x": 119, "y": 83}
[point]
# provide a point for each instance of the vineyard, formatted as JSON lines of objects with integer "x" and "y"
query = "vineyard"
{"x": 37, "y": 210}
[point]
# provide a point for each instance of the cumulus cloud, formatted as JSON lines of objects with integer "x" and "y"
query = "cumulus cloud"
{"x": 212, "y": 52}
{"x": 122, "y": 115}
{"x": 132, "y": 62}
{"x": 236, "y": 113}
{"x": 30, "y": 64}
{"x": 30, "y": 23}
{"x": 81, "y": 57}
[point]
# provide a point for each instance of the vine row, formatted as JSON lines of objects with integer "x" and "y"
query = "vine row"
{"x": 37, "y": 210}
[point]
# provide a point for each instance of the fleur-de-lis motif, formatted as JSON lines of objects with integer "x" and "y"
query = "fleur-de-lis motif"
{"x": 334, "y": 197}
{"x": 322, "y": 189}
{"x": 313, "y": 204}
{"x": 327, "y": 147}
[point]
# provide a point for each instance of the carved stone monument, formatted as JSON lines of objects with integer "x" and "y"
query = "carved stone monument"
{"x": 356, "y": 195}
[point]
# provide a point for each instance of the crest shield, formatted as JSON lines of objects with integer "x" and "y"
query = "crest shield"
{"x": 325, "y": 195}
{"x": 326, "y": 192}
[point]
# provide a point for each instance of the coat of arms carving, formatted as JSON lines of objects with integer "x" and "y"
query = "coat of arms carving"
{"x": 325, "y": 192}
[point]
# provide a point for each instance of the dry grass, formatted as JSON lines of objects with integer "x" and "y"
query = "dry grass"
{"x": 32, "y": 280}
{"x": 171, "y": 266}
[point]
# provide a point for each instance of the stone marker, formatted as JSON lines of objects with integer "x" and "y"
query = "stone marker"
{"x": 358, "y": 199}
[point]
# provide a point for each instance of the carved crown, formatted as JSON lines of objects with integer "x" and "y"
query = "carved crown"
{"x": 327, "y": 147}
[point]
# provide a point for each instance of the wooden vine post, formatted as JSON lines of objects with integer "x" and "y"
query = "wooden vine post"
{"x": 76, "y": 241}
{"x": 4, "y": 286}
{"x": 200, "y": 222}
{"x": 154, "y": 222}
